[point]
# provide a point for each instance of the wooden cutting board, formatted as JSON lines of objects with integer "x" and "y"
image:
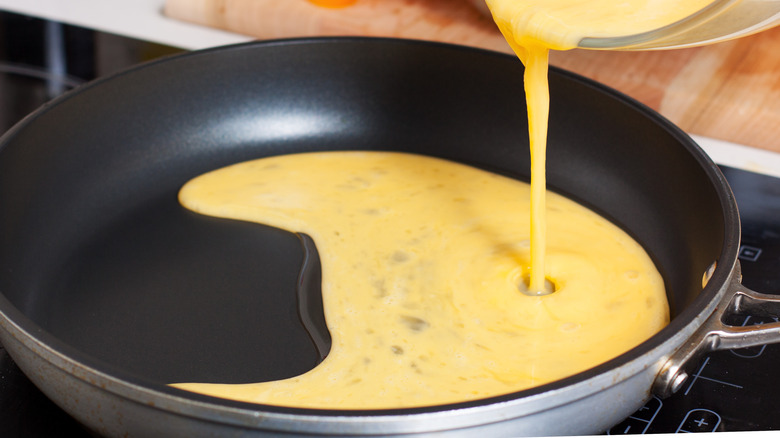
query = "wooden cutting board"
{"x": 729, "y": 91}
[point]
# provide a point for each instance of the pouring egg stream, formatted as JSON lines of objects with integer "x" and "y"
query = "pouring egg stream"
{"x": 434, "y": 273}
{"x": 533, "y": 28}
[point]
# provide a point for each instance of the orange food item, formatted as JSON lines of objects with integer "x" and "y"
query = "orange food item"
{"x": 333, "y": 3}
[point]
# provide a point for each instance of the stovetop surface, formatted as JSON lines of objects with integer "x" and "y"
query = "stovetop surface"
{"x": 730, "y": 391}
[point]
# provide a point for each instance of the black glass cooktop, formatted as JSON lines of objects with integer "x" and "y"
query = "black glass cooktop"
{"x": 730, "y": 391}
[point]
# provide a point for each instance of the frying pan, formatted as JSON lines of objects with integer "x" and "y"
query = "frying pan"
{"x": 110, "y": 289}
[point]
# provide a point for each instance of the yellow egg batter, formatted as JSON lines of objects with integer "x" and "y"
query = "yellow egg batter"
{"x": 533, "y": 28}
{"x": 562, "y": 24}
{"x": 421, "y": 262}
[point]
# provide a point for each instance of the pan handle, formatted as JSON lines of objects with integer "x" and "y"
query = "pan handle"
{"x": 715, "y": 334}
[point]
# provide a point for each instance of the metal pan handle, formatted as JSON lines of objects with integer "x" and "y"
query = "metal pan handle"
{"x": 715, "y": 334}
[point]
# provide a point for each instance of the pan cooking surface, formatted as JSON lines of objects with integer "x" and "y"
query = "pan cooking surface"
{"x": 165, "y": 289}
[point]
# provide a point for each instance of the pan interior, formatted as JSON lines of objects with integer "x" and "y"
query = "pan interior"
{"x": 96, "y": 250}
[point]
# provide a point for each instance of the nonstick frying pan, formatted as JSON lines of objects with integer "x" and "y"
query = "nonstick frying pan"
{"x": 110, "y": 289}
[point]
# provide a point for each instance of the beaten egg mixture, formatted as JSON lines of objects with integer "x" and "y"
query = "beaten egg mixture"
{"x": 422, "y": 262}
{"x": 533, "y": 28}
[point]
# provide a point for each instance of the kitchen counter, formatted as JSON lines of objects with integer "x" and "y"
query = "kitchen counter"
{"x": 144, "y": 19}
{"x": 141, "y": 19}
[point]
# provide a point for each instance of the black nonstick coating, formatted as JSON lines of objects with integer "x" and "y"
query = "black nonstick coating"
{"x": 98, "y": 255}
